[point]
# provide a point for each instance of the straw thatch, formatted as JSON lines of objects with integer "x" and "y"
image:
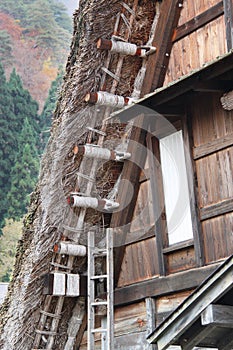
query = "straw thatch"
{"x": 49, "y": 211}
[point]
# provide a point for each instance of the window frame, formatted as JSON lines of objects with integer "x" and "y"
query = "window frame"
{"x": 156, "y": 183}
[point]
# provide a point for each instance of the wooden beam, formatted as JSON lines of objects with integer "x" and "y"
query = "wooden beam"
{"x": 158, "y": 286}
{"x": 218, "y": 315}
{"x": 178, "y": 246}
{"x": 155, "y": 75}
{"x": 157, "y": 193}
{"x": 220, "y": 69}
{"x": 158, "y": 62}
{"x": 82, "y": 329}
{"x": 150, "y": 316}
{"x": 213, "y": 146}
{"x": 227, "y": 342}
{"x": 213, "y": 86}
{"x": 199, "y": 21}
{"x": 190, "y": 168}
{"x": 197, "y": 336}
{"x": 213, "y": 71}
{"x": 186, "y": 314}
{"x": 130, "y": 174}
{"x": 211, "y": 211}
{"x": 144, "y": 175}
{"x": 228, "y": 14}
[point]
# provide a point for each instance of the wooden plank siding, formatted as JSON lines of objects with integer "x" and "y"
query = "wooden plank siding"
{"x": 140, "y": 262}
{"x": 200, "y": 37}
{"x": 213, "y": 153}
{"x": 195, "y": 8}
{"x": 210, "y": 135}
{"x": 166, "y": 304}
{"x": 130, "y": 328}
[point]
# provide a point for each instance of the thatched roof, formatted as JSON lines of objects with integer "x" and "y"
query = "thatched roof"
{"x": 49, "y": 211}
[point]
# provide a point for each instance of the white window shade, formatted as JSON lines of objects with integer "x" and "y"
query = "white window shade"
{"x": 176, "y": 192}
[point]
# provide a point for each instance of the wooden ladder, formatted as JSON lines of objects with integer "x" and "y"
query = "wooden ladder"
{"x": 54, "y": 315}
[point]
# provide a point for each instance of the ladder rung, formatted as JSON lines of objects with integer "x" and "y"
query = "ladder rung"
{"x": 98, "y": 303}
{"x": 59, "y": 265}
{"x": 102, "y": 133}
{"x": 96, "y": 277}
{"x": 49, "y": 314}
{"x": 99, "y": 251}
{"x": 86, "y": 177}
{"x": 99, "y": 330}
{"x": 46, "y": 332}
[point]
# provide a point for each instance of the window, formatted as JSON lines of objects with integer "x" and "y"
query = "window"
{"x": 176, "y": 192}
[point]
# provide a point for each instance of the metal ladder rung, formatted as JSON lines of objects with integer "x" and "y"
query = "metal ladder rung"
{"x": 99, "y": 251}
{"x": 96, "y": 277}
{"x": 99, "y": 330}
{"x": 99, "y": 303}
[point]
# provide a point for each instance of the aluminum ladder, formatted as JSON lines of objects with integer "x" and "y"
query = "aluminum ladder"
{"x": 107, "y": 324}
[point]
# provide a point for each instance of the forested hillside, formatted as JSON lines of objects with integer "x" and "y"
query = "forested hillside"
{"x": 35, "y": 39}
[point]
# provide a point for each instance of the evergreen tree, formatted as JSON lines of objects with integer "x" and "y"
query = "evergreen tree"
{"x": 5, "y": 48}
{"x": 7, "y": 139}
{"x": 61, "y": 16}
{"x": 49, "y": 106}
{"x": 24, "y": 173}
{"x": 22, "y": 106}
{"x": 48, "y": 22}
{"x": 17, "y": 9}
{"x": 16, "y": 104}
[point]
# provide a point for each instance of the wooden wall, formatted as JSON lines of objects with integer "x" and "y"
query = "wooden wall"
{"x": 130, "y": 328}
{"x": 213, "y": 155}
{"x": 167, "y": 303}
{"x": 211, "y": 134}
{"x": 140, "y": 262}
{"x": 199, "y": 47}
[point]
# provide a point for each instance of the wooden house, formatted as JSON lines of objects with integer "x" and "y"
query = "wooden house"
{"x": 172, "y": 209}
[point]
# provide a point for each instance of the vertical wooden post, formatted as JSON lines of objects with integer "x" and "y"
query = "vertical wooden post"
{"x": 190, "y": 166}
{"x": 158, "y": 63}
{"x": 156, "y": 184}
{"x": 228, "y": 14}
{"x": 150, "y": 313}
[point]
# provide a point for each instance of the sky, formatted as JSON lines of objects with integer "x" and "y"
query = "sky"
{"x": 71, "y": 5}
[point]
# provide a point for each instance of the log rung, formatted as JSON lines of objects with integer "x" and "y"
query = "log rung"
{"x": 114, "y": 76}
{"x": 131, "y": 11}
{"x": 49, "y": 314}
{"x": 73, "y": 229}
{"x": 38, "y": 331}
{"x": 102, "y": 133}
{"x": 59, "y": 265}
{"x": 118, "y": 38}
{"x": 86, "y": 177}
